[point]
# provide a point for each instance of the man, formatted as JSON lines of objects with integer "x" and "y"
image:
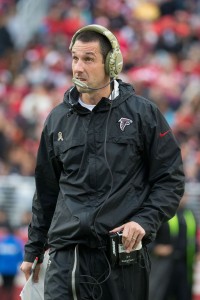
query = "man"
{"x": 173, "y": 254}
{"x": 11, "y": 256}
{"x": 107, "y": 163}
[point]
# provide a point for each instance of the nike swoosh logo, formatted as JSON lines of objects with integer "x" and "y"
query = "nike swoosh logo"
{"x": 164, "y": 133}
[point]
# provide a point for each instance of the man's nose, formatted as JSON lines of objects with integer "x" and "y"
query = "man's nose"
{"x": 78, "y": 66}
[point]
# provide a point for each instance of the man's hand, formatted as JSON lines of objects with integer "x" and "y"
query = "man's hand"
{"x": 132, "y": 234}
{"x": 27, "y": 269}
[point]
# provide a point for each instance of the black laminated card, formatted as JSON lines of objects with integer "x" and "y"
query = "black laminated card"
{"x": 113, "y": 249}
{"x": 118, "y": 254}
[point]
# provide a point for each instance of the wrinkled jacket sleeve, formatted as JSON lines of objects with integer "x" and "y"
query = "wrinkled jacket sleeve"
{"x": 165, "y": 173}
{"x": 47, "y": 175}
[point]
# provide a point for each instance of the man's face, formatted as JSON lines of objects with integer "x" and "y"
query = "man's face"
{"x": 88, "y": 65}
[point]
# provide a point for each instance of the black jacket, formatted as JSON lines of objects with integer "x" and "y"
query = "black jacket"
{"x": 97, "y": 170}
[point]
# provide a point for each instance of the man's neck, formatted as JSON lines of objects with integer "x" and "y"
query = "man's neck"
{"x": 94, "y": 97}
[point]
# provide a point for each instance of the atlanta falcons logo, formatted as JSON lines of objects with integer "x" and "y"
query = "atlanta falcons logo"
{"x": 124, "y": 122}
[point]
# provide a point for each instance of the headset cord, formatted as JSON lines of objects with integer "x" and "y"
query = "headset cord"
{"x": 97, "y": 282}
{"x": 93, "y": 281}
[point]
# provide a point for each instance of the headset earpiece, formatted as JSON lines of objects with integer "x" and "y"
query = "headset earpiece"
{"x": 114, "y": 59}
{"x": 113, "y": 63}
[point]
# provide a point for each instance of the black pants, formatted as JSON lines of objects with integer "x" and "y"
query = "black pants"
{"x": 7, "y": 288}
{"x": 179, "y": 287}
{"x": 94, "y": 280}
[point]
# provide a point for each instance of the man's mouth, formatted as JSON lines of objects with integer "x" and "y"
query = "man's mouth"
{"x": 81, "y": 79}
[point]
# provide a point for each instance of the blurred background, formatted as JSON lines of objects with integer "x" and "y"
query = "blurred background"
{"x": 160, "y": 42}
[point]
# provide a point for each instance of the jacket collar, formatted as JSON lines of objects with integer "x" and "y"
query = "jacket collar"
{"x": 121, "y": 93}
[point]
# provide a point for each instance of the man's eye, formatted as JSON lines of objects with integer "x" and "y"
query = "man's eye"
{"x": 88, "y": 59}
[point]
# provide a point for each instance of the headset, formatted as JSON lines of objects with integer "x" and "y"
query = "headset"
{"x": 114, "y": 59}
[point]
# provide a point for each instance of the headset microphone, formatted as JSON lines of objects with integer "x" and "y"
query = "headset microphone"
{"x": 80, "y": 83}
{"x": 85, "y": 86}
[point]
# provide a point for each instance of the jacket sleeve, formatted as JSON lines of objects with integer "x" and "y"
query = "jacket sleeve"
{"x": 165, "y": 173}
{"x": 47, "y": 174}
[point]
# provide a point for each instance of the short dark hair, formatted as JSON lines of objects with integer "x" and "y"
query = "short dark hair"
{"x": 91, "y": 36}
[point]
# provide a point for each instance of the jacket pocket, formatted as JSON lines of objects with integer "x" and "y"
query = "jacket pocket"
{"x": 123, "y": 152}
{"x": 62, "y": 146}
{"x": 70, "y": 153}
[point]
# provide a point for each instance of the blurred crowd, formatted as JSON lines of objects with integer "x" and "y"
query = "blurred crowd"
{"x": 160, "y": 42}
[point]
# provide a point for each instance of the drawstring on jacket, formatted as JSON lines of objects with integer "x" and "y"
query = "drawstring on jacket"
{"x": 74, "y": 278}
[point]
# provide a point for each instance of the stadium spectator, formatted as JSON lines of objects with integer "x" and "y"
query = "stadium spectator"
{"x": 11, "y": 255}
{"x": 174, "y": 254}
